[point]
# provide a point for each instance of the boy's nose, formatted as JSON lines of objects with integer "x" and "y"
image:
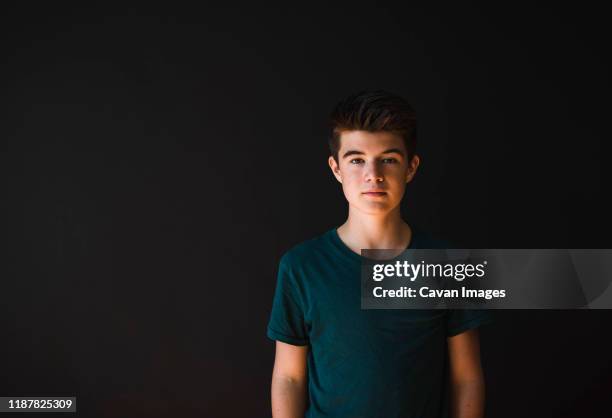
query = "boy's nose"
{"x": 374, "y": 177}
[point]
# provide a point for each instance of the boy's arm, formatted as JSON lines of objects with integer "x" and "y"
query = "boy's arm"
{"x": 466, "y": 378}
{"x": 289, "y": 381}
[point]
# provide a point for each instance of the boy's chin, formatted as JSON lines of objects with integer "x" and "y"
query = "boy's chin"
{"x": 373, "y": 208}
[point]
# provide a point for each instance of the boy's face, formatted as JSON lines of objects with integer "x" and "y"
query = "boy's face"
{"x": 373, "y": 162}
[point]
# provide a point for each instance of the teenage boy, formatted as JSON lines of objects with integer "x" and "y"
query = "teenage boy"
{"x": 334, "y": 359}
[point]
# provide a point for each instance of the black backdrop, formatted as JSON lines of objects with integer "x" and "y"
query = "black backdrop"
{"x": 157, "y": 162}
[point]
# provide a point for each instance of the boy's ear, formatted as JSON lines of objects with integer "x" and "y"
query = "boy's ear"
{"x": 334, "y": 167}
{"x": 412, "y": 168}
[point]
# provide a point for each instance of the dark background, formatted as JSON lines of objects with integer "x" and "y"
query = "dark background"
{"x": 157, "y": 162}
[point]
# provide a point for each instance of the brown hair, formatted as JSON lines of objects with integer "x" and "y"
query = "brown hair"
{"x": 373, "y": 111}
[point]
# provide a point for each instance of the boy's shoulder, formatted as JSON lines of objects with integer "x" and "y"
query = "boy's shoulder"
{"x": 322, "y": 245}
{"x": 307, "y": 250}
{"x": 427, "y": 240}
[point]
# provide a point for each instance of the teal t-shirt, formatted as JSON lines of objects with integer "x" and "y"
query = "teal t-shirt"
{"x": 387, "y": 363}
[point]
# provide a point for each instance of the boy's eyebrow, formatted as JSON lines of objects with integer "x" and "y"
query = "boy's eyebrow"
{"x": 389, "y": 151}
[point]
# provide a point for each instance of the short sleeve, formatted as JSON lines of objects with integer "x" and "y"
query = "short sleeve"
{"x": 461, "y": 320}
{"x": 286, "y": 322}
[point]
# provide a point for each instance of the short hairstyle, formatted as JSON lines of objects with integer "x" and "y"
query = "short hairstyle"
{"x": 373, "y": 111}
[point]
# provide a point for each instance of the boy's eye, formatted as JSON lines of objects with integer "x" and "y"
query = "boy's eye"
{"x": 385, "y": 161}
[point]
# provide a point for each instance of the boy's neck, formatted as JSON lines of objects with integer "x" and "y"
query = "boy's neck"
{"x": 375, "y": 232}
